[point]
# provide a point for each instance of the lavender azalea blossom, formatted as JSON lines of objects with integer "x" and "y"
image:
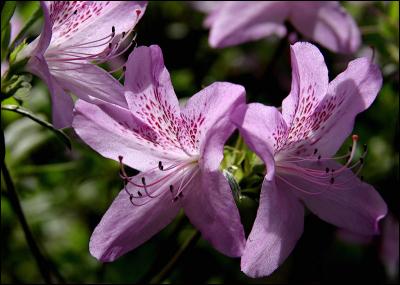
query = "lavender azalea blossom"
{"x": 74, "y": 35}
{"x": 178, "y": 151}
{"x": 326, "y": 22}
{"x": 297, "y": 146}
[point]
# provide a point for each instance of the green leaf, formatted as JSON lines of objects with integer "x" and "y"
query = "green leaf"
{"x": 6, "y": 13}
{"x": 5, "y": 40}
{"x": 60, "y": 134}
{"x": 14, "y": 53}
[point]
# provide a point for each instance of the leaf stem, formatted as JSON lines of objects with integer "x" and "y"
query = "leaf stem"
{"x": 13, "y": 197}
{"x": 167, "y": 269}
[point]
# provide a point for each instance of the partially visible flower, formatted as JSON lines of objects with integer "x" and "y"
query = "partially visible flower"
{"x": 389, "y": 250}
{"x": 297, "y": 147}
{"x": 74, "y": 35}
{"x": 16, "y": 26}
{"x": 325, "y": 22}
{"x": 178, "y": 151}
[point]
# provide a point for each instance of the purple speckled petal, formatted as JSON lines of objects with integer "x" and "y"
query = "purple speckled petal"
{"x": 151, "y": 97}
{"x": 210, "y": 207}
{"x": 309, "y": 84}
{"x": 347, "y": 203}
{"x": 125, "y": 135}
{"x": 79, "y": 22}
{"x": 278, "y": 226}
{"x": 206, "y": 119}
{"x": 328, "y": 24}
{"x": 350, "y": 93}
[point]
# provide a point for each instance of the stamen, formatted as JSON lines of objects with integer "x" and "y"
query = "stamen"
{"x": 160, "y": 166}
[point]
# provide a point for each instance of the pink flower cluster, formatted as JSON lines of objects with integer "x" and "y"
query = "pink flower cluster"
{"x": 178, "y": 149}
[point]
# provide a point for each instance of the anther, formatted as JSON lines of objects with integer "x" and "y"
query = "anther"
{"x": 75, "y": 12}
{"x": 332, "y": 180}
{"x": 319, "y": 157}
{"x": 120, "y": 158}
{"x": 327, "y": 170}
{"x": 333, "y": 170}
{"x": 175, "y": 199}
{"x": 315, "y": 151}
{"x": 109, "y": 45}
{"x": 124, "y": 68}
{"x": 171, "y": 188}
{"x": 123, "y": 34}
{"x": 180, "y": 195}
{"x": 143, "y": 181}
{"x": 140, "y": 194}
{"x": 113, "y": 29}
{"x": 160, "y": 166}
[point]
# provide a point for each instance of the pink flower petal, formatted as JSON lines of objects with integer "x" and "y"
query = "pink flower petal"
{"x": 151, "y": 97}
{"x": 328, "y": 24}
{"x": 125, "y": 226}
{"x": 62, "y": 104}
{"x": 309, "y": 84}
{"x": 243, "y": 21}
{"x": 75, "y": 23}
{"x": 210, "y": 207}
{"x": 347, "y": 203}
{"x": 206, "y": 117}
{"x": 278, "y": 226}
{"x": 90, "y": 83}
{"x": 350, "y": 93}
{"x": 263, "y": 129}
{"x": 122, "y": 135}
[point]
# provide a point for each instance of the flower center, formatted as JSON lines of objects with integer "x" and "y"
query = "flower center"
{"x": 315, "y": 169}
{"x": 174, "y": 178}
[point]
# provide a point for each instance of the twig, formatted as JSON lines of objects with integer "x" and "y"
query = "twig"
{"x": 13, "y": 197}
{"x": 167, "y": 269}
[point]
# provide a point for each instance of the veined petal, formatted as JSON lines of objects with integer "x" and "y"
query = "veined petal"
{"x": 206, "y": 120}
{"x": 210, "y": 207}
{"x": 350, "y": 93}
{"x": 89, "y": 82}
{"x": 151, "y": 97}
{"x": 243, "y": 21}
{"x": 127, "y": 225}
{"x": 79, "y": 22}
{"x": 124, "y": 135}
{"x": 309, "y": 85}
{"x": 328, "y": 24}
{"x": 39, "y": 45}
{"x": 278, "y": 226}
{"x": 263, "y": 129}
{"x": 62, "y": 104}
{"x": 347, "y": 202}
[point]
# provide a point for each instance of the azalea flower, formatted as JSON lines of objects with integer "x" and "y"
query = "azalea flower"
{"x": 178, "y": 151}
{"x": 297, "y": 146}
{"x": 326, "y": 22}
{"x": 74, "y": 35}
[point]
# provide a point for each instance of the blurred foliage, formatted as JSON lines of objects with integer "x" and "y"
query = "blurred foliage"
{"x": 65, "y": 192}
